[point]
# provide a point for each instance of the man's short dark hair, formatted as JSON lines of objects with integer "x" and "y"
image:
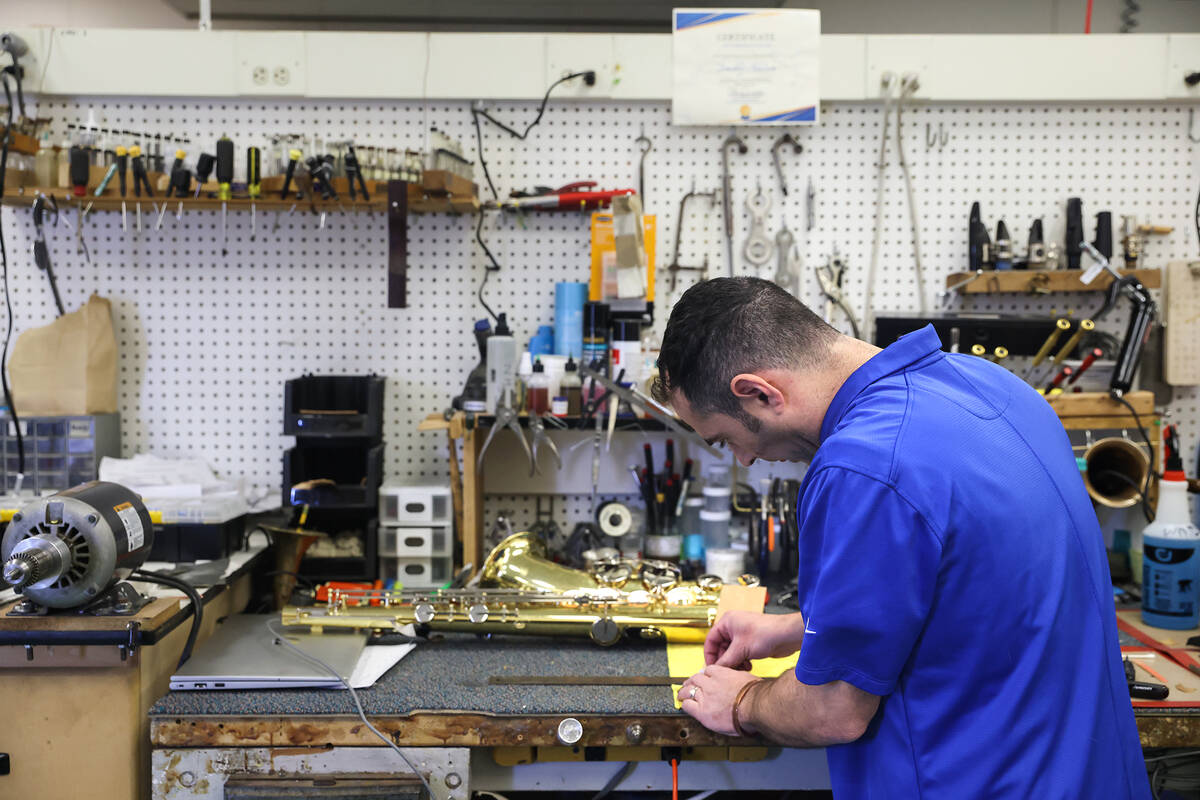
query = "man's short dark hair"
{"x": 726, "y": 326}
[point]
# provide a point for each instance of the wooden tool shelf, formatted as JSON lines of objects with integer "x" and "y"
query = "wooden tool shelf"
{"x": 1042, "y": 281}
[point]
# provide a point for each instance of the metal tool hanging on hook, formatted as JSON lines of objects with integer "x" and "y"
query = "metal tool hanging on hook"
{"x": 727, "y": 192}
{"x": 675, "y": 267}
{"x": 941, "y": 138}
{"x": 831, "y": 276}
{"x": 759, "y": 247}
{"x": 537, "y": 428}
{"x": 787, "y": 274}
{"x": 797, "y": 148}
{"x": 644, "y": 143}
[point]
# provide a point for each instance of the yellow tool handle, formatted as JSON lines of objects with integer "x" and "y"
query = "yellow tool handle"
{"x": 1060, "y": 326}
{"x": 1085, "y": 326}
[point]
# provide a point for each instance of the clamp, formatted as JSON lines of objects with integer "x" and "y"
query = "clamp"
{"x": 657, "y": 412}
{"x": 537, "y": 426}
{"x": 506, "y": 418}
{"x": 830, "y": 277}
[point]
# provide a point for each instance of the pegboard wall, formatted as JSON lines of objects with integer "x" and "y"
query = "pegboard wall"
{"x": 206, "y": 341}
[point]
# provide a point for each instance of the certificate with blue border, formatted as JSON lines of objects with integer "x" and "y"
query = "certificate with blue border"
{"x": 741, "y": 66}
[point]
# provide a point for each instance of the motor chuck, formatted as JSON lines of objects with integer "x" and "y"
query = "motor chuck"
{"x": 63, "y": 550}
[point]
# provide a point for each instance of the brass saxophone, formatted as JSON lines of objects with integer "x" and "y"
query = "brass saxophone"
{"x": 521, "y": 591}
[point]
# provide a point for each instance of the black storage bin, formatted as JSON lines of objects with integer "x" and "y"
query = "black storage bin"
{"x": 365, "y": 527}
{"x": 189, "y": 542}
{"x": 334, "y": 406}
{"x": 356, "y": 470}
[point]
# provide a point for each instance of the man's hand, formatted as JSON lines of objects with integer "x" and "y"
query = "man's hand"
{"x": 740, "y": 636}
{"x": 708, "y": 696}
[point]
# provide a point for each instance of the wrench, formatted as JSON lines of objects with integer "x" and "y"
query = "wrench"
{"x": 787, "y": 274}
{"x": 759, "y": 246}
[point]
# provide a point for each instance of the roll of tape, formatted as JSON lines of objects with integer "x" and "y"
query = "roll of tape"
{"x": 725, "y": 563}
{"x": 615, "y": 519}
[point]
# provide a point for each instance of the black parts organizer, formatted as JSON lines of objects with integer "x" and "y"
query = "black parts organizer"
{"x": 336, "y": 469}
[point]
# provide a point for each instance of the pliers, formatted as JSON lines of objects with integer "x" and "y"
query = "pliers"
{"x": 506, "y": 418}
{"x": 537, "y": 426}
{"x": 830, "y": 277}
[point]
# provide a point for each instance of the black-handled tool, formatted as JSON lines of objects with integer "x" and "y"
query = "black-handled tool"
{"x": 253, "y": 183}
{"x": 293, "y": 160}
{"x": 122, "y": 169}
{"x": 80, "y": 170}
{"x": 140, "y": 181}
{"x": 204, "y": 168}
{"x": 1074, "y": 232}
{"x": 224, "y": 182}
{"x": 354, "y": 174}
{"x": 41, "y": 253}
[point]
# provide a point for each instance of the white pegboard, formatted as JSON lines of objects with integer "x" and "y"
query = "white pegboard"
{"x": 207, "y": 341}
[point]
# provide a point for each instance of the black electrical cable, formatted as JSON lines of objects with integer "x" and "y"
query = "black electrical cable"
{"x": 12, "y": 409}
{"x": 477, "y": 112}
{"x": 614, "y": 781}
{"x": 193, "y": 595}
{"x": 1150, "y": 471}
{"x": 488, "y": 269}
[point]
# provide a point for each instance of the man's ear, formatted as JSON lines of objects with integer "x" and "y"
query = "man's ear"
{"x": 758, "y": 391}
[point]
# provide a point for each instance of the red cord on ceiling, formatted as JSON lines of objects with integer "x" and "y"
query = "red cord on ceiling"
{"x": 1087, "y": 22}
{"x": 674, "y": 779}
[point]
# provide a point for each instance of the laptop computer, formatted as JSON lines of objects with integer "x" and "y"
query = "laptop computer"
{"x": 243, "y": 654}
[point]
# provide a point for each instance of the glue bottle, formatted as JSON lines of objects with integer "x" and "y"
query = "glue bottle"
{"x": 501, "y": 367}
{"x": 1171, "y": 551}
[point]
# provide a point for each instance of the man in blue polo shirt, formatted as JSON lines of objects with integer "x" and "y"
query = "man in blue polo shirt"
{"x": 957, "y": 636}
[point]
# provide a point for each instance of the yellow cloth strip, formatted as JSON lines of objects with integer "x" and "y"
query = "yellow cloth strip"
{"x": 685, "y": 658}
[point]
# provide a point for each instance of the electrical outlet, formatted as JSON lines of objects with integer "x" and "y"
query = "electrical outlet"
{"x": 282, "y": 76}
{"x": 260, "y": 76}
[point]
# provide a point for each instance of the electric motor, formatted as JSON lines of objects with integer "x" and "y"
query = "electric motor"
{"x": 63, "y": 550}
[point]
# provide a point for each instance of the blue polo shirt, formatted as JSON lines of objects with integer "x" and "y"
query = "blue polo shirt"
{"x": 951, "y": 563}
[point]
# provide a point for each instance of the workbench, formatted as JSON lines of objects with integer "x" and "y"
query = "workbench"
{"x": 439, "y": 706}
{"x": 78, "y": 711}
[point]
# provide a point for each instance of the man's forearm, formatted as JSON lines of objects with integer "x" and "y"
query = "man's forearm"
{"x": 795, "y": 714}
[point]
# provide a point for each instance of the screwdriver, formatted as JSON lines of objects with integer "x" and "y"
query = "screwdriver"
{"x": 79, "y": 170}
{"x": 293, "y": 159}
{"x": 1065, "y": 372}
{"x": 204, "y": 168}
{"x": 1087, "y": 362}
{"x": 253, "y": 182}
{"x": 181, "y": 181}
{"x": 224, "y": 179}
{"x": 102, "y": 187}
{"x": 140, "y": 180}
{"x": 1061, "y": 325}
{"x": 122, "y": 166}
{"x": 172, "y": 186}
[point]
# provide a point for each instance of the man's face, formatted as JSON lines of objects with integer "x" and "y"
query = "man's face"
{"x": 771, "y": 442}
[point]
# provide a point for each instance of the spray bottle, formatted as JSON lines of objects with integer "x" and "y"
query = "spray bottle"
{"x": 474, "y": 396}
{"x": 1171, "y": 551}
{"x": 501, "y": 367}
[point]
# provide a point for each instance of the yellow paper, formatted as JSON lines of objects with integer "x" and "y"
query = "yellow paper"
{"x": 684, "y": 658}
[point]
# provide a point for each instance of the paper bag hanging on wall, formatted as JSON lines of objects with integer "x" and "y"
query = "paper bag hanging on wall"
{"x": 69, "y": 366}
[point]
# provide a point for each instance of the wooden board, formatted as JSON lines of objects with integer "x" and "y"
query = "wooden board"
{"x": 1099, "y": 404}
{"x": 151, "y": 617}
{"x": 1181, "y": 318}
{"x": 1043, "y": 281}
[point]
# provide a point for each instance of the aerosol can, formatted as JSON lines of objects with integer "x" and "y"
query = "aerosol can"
{"x": 1171, "y": 551}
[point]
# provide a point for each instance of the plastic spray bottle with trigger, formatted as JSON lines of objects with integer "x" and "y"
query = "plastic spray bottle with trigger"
{"x": 1171, "y": 551}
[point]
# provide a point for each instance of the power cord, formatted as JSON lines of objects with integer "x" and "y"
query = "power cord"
{"x": 477, "y": 111}
{"x": 1151, "y": 472}
{"x": 489, "y": 268}
{"x": 281, "y": 638}
{"x": 193, "y": 595}
{"x": 12, "y": 409}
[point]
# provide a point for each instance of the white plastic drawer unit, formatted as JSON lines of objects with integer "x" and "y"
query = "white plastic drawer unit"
{"x": 414, "y": 542}
{"x": 414, "y": 505}
{"x": 415, "y": 573}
